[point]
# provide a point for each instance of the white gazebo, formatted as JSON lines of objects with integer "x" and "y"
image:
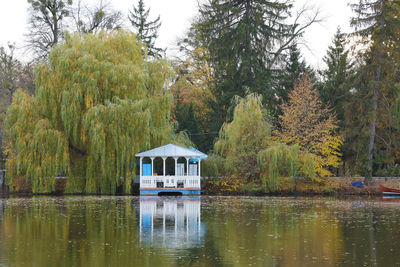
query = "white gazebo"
{"x": 170, "y": 168}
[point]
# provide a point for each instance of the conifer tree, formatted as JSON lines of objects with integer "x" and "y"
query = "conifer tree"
{"x": 145, "y": 30}
{"x": 294, "y": 68}
{"x": 98, "y": 103}
{"x": 307, "y": 123}
{"x": 338, "y": 76}
{"x": 376, "y": 25}
{"x": 187, "y": 121}
{"x": 245, "y": 41}
{"x": 194, "y": 85}
{"x": 337, "y": 91}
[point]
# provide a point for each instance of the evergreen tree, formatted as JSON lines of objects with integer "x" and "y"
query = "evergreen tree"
{"x": 193, "y": 85}
{"x": 294, "y": 68}
{"x": 187, "y": 121}
{"x": 98, "y": 102}
{"x": 377, "y": 26}
{"x": 336, "y": 91}
{"x": 245, "y": 40}
{"x": 338, "y": 76}
{"x": 145, "y": 30}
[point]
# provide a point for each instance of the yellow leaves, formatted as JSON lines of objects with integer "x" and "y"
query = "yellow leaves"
{"x": 307, "y": 123}
{"x": 98, "y": 103}
{"x": 194, "y": 82}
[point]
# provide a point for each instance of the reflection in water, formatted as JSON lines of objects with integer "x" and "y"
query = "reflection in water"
{"x": 391, "y": 198}
{"x": 241, "y": 231}
{"x": 170, "y": 222}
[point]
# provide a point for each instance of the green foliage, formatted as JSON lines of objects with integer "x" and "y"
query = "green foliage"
{"x": 187, "y": 121}
{"x": 193, "y": 87}
{"x": 97, "y": 104}
{"x": 9, "y": 70}
{"x": 181, "y": 139}
{"x": 145, "y": 30}
{"x": 294, "y": 68}
{"x": 240, "y": 140}
{"x": 40, "y": 150}
{"x": 245, "y": 42}
{"x": 212, "y": 167}
{"x": 338, "y": 76}
{"x": 337, "y": 91}
{"x": 281, "y": 160}
{"x": 252, "y": 188}
{"x": 377, "y": 27}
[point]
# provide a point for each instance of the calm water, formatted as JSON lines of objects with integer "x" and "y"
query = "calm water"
{"x": 206, "y": 231}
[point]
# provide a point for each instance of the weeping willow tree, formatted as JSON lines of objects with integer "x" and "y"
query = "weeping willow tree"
{"x": 240, "y": 140}
{"x": 281, "y": 160}
{"x": 98, "y": 102}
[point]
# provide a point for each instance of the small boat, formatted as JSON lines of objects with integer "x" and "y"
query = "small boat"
{"x": 389, "y": 191}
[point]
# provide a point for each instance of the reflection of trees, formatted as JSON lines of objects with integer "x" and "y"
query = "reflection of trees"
{"x": 73, "y": 232}
{"x": 95, "y": 231}
{"x": 275, "y": 233}
{"x": 371, "y": 236}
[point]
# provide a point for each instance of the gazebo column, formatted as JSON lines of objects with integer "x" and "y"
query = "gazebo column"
{"x": 164, "y": 160}
{"x": 198, "y": 172}
{"x": 152, "y": 171}
{"x": 152, "y": 166}
{"x": 141, "y": 167}
{"x": 199, "y": 166}
{"x": 187, "y": 172}
{"x": 187, "y": 166}
{"x": 176, "y": 165}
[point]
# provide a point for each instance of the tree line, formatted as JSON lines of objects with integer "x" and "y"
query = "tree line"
{"x": 50, "y": 21}
{"x": 239, "y": 48}
{"x": 239, "y": 89}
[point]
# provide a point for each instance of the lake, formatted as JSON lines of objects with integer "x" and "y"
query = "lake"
{"x": 199, "y": 231}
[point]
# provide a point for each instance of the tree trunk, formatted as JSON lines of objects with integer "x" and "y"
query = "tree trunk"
{"x": 368, "y": 177}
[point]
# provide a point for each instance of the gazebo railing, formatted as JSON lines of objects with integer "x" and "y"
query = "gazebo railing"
{"x": 170, "y": 181}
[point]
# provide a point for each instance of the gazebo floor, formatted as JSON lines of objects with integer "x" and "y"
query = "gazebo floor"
{"x": 157, "y": 191}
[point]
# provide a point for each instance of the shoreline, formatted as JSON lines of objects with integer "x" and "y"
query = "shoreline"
{"x": 229, "y": 187}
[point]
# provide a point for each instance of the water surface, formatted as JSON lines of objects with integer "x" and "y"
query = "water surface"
{"x": 199, "y": 231}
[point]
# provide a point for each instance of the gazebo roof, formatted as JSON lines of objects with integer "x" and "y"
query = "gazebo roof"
{"x": 170, "y": 150}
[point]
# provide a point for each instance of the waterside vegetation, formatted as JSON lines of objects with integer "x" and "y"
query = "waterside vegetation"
{"x": 240, "y": 91}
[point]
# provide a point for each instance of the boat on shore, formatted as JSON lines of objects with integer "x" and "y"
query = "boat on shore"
{"x": 389, "y": 191}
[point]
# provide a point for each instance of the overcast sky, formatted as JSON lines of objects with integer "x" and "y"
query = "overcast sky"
{"x": 176, "y": 16}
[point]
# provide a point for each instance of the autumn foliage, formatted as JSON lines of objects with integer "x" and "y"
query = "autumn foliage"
{"x": 310, "y": 125}
{"x": 98, "y": 102}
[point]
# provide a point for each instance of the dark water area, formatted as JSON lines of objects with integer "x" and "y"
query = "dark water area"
{"x": 199, "y": 231}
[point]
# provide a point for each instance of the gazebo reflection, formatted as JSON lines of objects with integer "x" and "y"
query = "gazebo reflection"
{"x": 170, "y": 222}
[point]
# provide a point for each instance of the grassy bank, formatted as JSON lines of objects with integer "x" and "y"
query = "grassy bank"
{"x": 296, "y": 186}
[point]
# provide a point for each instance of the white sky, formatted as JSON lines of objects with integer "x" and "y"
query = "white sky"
{"x": 176, "y": 16}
